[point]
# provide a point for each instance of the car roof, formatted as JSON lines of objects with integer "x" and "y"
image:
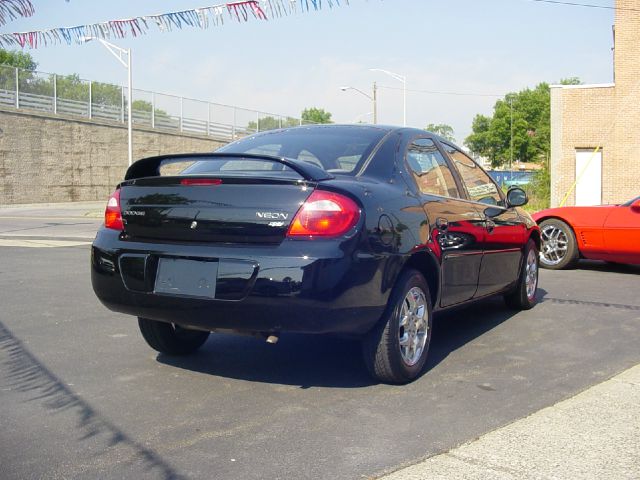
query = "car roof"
{"x": 333, "y": 126}
{"x": 360, "y": 126}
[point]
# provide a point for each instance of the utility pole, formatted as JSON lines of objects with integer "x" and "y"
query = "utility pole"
{"x": 400, "y": 78}
{"x": 373, "y": 99}
{"x": 511, "y": 141}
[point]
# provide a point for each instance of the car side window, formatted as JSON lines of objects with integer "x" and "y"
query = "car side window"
{"x": 479, "y": 184}
{"x": 430, "y": 170}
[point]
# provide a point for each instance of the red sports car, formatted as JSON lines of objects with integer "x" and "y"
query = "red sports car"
{"x": 606, "y": 232}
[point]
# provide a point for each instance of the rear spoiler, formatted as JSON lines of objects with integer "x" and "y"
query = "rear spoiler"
{"x": 150, "y": 167}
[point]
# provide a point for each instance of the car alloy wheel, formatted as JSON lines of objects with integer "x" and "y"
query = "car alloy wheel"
{"x": 413, "y": 328}
{"x": 395, "y": 351}
{"x": 554, "y": 244}
{"x": 523, "y": 294}
{"x": 531, "y": 274}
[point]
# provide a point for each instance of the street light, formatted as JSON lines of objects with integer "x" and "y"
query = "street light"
{"x": 119, "y": 52}
{"x": 373, "y": 98}
{"x": 400, "y": 78}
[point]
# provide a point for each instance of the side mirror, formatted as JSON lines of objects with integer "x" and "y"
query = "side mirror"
{"x": 516, "y": 197}
{"x": 635, "y": 206}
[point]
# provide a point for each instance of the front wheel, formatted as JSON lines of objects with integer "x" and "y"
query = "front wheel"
{"x": 171, "y": 339}
{"x": 396, "y": 350}
{"x": 523, "y": 296}
{"x": 559, "y": 246}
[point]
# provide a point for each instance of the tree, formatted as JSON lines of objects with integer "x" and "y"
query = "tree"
{"x": 570, "y": 81}
{"x": 9, "y": 60}
{"x": 525, "y": 113}
{"x": 14, "y": 58}
{"x": 442, "y": 129}
{"x": 316, "y": 115}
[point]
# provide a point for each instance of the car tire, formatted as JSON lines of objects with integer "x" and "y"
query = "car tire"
{"x": 396, "y": 350}
{"x": 523, "y": 296}
{"x": 171, "y": 339}
{"x": 559, "y": 246}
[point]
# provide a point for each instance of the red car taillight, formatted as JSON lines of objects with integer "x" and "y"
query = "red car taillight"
{"x": 113, "y": 215}
{"x": 325, "y": 214}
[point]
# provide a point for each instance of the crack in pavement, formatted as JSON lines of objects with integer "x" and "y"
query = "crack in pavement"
{"x": 566, "y": 301}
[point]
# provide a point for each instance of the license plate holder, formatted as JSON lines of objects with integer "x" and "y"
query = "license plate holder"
{"x": 186, "y": 277}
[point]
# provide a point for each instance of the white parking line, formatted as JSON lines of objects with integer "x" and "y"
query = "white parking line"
{"x": 40, "y": 243}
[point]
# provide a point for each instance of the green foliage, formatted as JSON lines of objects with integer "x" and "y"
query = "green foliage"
{"x": 570, "y": 81}
{"x": 106, "y": 94}
{"x": 316, "y": 115}
{"x": 309, "y": 115}
{"x": 442, "y": 129}
{"x": 9, "y": 60}
{"x": 491, "y": 136}
{"x": 271, "y": 123}
{"x": 14, "y": 58}
{"x": 539, "y": 190}
{"x": 71, "y": 87}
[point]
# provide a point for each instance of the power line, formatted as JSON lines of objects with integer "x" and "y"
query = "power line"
{"x": 586, "y": 5}
{"x": 435, "y": 92}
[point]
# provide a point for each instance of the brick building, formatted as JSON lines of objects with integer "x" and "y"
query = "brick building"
{"x": 595, "y": 129}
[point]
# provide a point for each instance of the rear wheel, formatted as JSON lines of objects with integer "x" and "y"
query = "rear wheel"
{"x": 523, "y": 297}
{"x": 559, "y": 247}
{"x": 171, "y": 339}
{"x": 396, "y": 350}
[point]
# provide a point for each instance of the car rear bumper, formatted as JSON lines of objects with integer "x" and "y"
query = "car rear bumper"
{"x": 321, "y": 286}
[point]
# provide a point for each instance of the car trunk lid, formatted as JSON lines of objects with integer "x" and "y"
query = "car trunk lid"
{"x": 207, "y": 209}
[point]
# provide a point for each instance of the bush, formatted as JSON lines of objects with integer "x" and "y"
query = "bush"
{"x": 539, "y": 190}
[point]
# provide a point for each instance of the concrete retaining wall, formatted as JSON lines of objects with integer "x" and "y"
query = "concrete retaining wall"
{"x": 45, "y": 158}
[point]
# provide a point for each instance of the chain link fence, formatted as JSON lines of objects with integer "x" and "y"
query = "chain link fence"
{"x": 73, "y": 96}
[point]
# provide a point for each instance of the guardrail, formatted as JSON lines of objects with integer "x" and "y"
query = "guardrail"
{"x": 73, "y": 96}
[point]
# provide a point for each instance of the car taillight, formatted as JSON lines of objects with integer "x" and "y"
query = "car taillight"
{"x": 113, "y": 215}
{"x": 325, "y": 214}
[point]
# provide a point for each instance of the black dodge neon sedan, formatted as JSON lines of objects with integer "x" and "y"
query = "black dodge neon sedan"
{"x": 337, "y": 229}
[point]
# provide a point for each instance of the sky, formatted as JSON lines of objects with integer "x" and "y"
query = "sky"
{"x": 481, "y": 48}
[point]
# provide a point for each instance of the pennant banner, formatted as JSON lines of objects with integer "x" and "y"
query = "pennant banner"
{"x": 205, "y": 17}
{"x": 12, "y": 9}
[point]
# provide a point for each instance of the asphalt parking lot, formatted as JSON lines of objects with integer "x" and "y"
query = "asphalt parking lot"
{"x": 82, "y": 395}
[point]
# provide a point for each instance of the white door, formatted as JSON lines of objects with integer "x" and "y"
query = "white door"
{"x": 589, "y": 177}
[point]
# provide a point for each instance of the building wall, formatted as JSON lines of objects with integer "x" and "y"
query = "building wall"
{"x": 605, "y": 116}
{"x": 625, "y": 176}
{"x": 581, "y": 118}
{"x": 46, "y": 158}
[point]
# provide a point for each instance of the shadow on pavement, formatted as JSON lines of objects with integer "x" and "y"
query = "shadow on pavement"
{"x": 326, "y": 361}
{"x": 597, "y": 266}
{"x": 24, "y": 373}
{"x": 455, "y": 328}
{"x": 299, "y": 360}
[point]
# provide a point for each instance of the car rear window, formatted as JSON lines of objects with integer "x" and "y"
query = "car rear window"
{"x": 240, "y": 167}
{"x": 337, "y": 149}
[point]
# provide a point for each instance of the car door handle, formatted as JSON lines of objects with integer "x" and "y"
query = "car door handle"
{"x": 442, "y": 224}
{"x": 490, "y": 225}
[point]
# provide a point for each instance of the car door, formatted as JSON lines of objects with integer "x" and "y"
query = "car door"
{"x": 504, "y": 233}
{"x": 456, "y": 226}
{"x": 621, "y": 232}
